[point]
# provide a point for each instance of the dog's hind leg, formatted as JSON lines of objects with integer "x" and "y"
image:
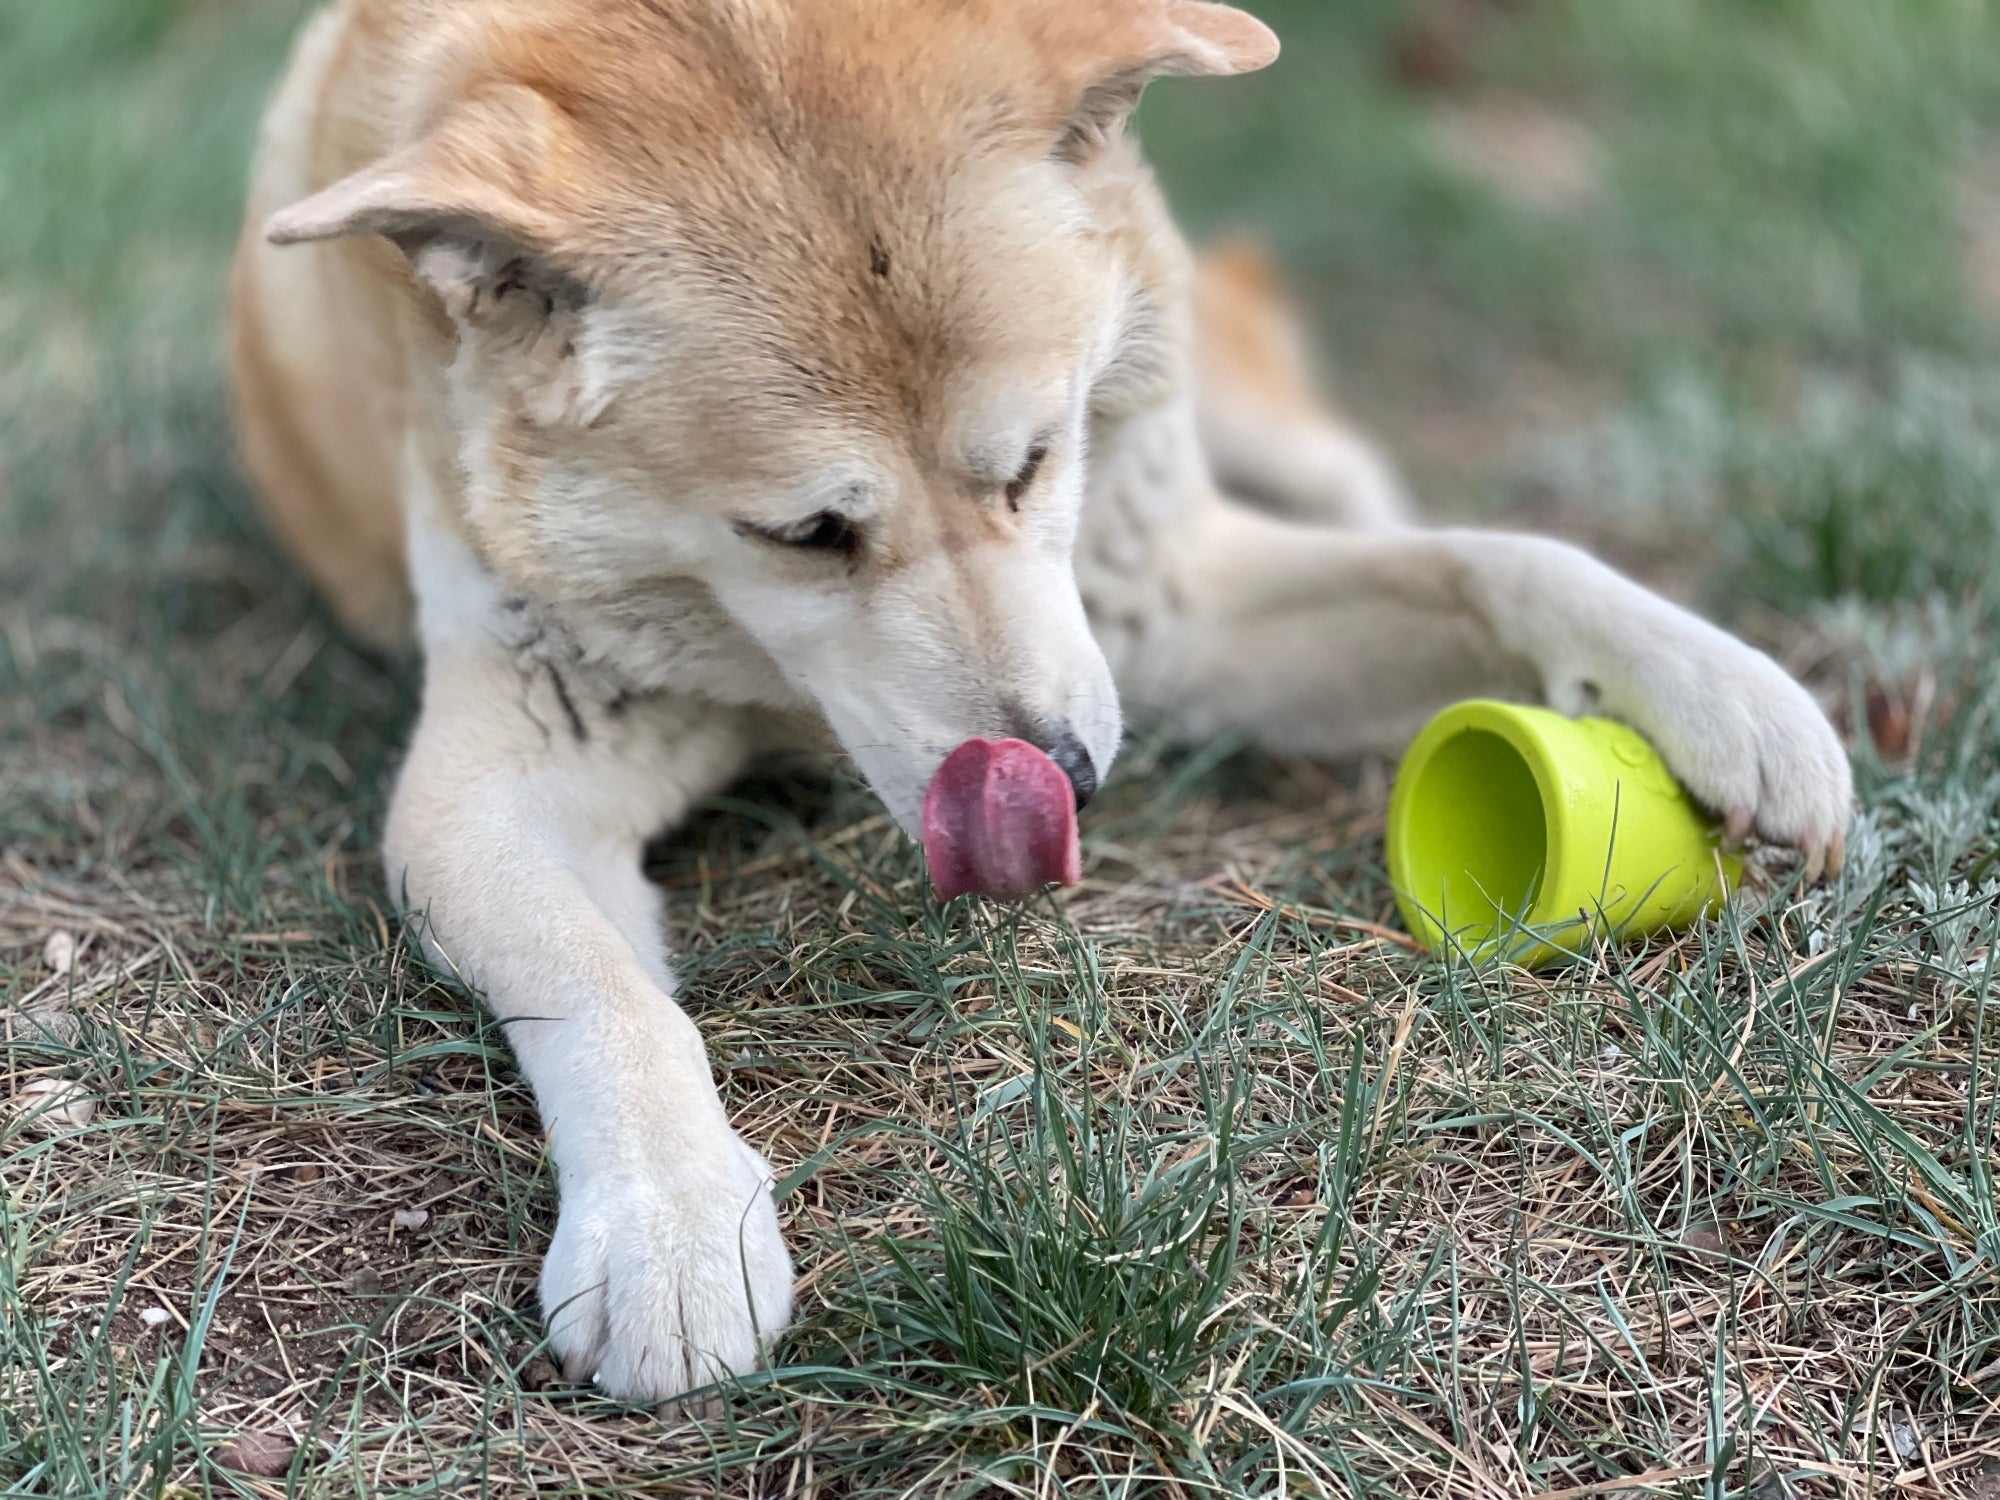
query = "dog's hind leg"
{"x": 1328, "y": 642}
{"x": 515, "y": 839}
{"x": 1273, "y": 439}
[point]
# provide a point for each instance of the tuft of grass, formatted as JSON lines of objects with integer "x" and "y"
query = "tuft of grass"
{"x": 1078, "y": 1258}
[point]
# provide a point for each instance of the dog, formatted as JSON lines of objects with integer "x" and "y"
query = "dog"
{"x": 697, "y": 379}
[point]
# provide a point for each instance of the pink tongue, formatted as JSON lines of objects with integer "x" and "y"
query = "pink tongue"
{"x": 1000, "y": 820}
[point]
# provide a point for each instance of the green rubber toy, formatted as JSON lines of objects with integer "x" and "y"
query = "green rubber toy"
{"x": 1516, "y": 833}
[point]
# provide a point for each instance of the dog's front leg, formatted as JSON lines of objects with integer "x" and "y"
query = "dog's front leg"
{"x": 516, "y": 836}
{"x": 1326, "y": 643}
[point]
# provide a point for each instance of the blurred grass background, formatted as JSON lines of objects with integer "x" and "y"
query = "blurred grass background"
{"x": 1712, "y": 283}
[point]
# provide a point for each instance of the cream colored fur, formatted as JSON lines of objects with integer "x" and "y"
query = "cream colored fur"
{"x": 594, "y": 313}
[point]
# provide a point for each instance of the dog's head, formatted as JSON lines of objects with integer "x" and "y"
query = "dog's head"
{"x": 807, "y": 304}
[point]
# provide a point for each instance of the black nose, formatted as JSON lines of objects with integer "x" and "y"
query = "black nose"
{"x": 1067, "y": 751}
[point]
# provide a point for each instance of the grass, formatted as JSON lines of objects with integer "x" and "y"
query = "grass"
{"x": 1192, "y": 1184}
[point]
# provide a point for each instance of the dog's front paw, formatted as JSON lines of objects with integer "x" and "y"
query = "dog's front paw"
{"x": 1747, "y": 740}
{"x": 662, "y": 1280}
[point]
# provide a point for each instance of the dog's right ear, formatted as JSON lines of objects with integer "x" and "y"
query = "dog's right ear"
{"x": 482, "y": 207}
{"x": 485, "y": 176}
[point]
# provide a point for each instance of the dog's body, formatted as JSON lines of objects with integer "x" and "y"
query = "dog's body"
{"x": 728, "y": 375}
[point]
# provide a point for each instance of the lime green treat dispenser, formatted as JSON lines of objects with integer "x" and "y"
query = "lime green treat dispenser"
{"x": 1517, "y": 833}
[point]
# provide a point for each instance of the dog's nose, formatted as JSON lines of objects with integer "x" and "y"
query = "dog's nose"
{"x": 1067, "y": 751}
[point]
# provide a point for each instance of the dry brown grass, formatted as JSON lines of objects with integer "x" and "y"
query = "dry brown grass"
{"x": 269, "y": 1102}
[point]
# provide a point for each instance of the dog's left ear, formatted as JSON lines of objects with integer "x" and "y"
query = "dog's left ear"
{"x": 1114, "y": 48}
{"x": 1200, "y": 39}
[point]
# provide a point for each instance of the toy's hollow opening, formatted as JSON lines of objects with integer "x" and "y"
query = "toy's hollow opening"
{"x": 1476, "y": 839}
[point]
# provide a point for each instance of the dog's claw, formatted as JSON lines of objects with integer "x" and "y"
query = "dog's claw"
{"x": 692, "y": 1409}
{"x": 1736, "y": 832}
{"x": 1815, "y": 863}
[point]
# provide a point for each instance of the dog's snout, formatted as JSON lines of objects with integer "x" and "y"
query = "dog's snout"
{"x": 1068, "y": 752}
{"x": 1059, "y": 741}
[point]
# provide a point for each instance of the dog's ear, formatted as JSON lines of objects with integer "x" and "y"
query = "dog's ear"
{"x": 478, "y": 173}
{"x": 1201, "y": 39}
{"x": 1115, "y": 49}
{"x": 476, "y": 204}
{"x": 479, "y": 209}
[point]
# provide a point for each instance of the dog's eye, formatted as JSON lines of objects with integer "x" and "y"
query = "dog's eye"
{"x": 1017, "y": 489}
{"x": 829, "y": 531}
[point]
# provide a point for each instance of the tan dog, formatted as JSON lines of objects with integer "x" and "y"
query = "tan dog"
{"x": 721, "y": 375}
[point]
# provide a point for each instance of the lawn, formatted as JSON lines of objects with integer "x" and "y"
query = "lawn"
{"x": 1193, "y": 1182}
